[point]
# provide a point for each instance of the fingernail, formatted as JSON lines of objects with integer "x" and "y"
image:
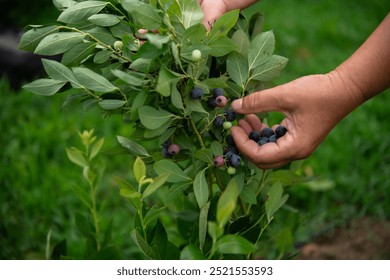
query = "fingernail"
{"x": 237, "y": 104}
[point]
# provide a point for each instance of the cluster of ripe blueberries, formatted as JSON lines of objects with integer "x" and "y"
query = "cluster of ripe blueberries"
{"x": 231, "y": 158}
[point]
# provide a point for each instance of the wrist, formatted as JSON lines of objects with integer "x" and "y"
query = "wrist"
{"x": 346, "y": 89}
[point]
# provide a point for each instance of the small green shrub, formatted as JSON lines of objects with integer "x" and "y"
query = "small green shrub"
{"x": 142, "y": 60}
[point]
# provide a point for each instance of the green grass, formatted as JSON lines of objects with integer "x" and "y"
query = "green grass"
{"x": 36, "y": 178}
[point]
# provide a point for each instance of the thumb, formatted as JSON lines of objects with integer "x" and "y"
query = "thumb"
{"x": 260, "y": 102}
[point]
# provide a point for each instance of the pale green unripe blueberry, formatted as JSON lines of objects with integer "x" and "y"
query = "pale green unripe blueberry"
{"x": 118, "y": 45}
{"x": 196, "y": 55}
{"x": 227, "y": 125}
{"x": 231, "y": 170}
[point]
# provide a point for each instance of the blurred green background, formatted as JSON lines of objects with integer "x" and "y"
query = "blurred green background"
{"x": 353, "y": 163}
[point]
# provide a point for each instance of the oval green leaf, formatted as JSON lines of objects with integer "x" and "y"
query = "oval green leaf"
{"x": 44, "y": 87}
{"x": 152, "y": 118}
{"x": 234, "y": 244}
{"x": 81, "y": 10}
{"x": 176, "y": 174}
{"x": 58, "y": 43}
{"x": 112, "y": 104}
{"x": 201, "y": 188}
{"x": 93, "y": 81}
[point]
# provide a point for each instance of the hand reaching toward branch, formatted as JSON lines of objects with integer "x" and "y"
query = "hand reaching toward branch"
{"x": 313, "y": 105}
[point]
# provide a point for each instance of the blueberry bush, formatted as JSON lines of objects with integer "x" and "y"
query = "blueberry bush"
{"x": 154, "y": 63}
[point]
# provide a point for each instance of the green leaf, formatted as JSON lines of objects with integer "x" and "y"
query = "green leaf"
{"x": 155, "y": 185}
{"x": 104, "y": 20}
{"x": 139, "y": 169}
{"x": 227, "y": 203}
{"x": 143, "y": 245}
{"x": 286, "y": 178}
{"x": 102, "y": 34}
{"x": 151, "y": 133}
{"x": 203, "y": 214}
{"x": 214, "y": 231}
{"x": 241, "y": 40}
{"x": 237, "y": 68}
{"x": 216, "y": 148}
{"x": 222, "y": 46}
{"x": 152, "y": 118}
{"x": 45, "y": 87}
{"x": 185, "y": 12}
{"x": 166, "y": 78}
{"x": 133, "y": 146}
{"x": 275, "y": 200}
{"x": 205, "y": 155}
{"x": 96, "y": 148}
{"x": 191, "y": 252}
{"x": 58, "y": 43}
{"x": 144, "y": 14}
{"x": 195, "y": 35}
{"x": 59, "y": 72}
{"x": 176, "y": 99}
{"x": 176, "y": 191}
{"x": 223, "y": 25}
{"x": 77, "y": 157}
{"x": 269, "y": 70}
{"x": 81, "y": 11}
{"x": 79, "y": 52}
{"x": 201, "y": 188}
{"x": 176, "y": 174}
{"x": 234, "y": 244}
{"x": 248, "y": 195}
{"x": 219, "y": 82}
{"x": 63, "y": 4}
{"x": 157, "y": 40}
{"x": 83, "y": 195}
{"x": 93, "y": 81}
{"x": 32, "y": 37}
{"x": 112, "y": 104}
{"x": 127, "y": 191}
{"x": 128, "y": 78}
{"x": 261, "y": 49}
{"x": 193, "y": 105}
{"x": 102, "y": 56}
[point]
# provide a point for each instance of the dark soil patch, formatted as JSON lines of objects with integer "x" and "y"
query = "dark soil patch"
{"x": 363, "y": 239}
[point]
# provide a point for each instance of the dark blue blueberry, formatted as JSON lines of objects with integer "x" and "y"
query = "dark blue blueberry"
{"x": 267, "y": 132}
{"x": 230, "y": 115}
{"x": 235, "y": 160}
{"x": 218, "y": 121}
{"x": 255, "y": 136}
{"x": 232, "y": 149}
{"x": 272, "y": 138}
{"x": 166, "y": 153}
{"x": 280, "y": 131}
{"x": 230, "y": 141}
{"x": 228, "y": 154}
{"x": 212, "y": 103}
{"x": 166, "y": 144}
{"x": 196, "y": 93}
{"x": 263, "y": 140}
{"x": 218, "y": 92}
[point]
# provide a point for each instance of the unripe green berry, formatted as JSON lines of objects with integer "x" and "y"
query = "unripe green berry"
{"x": 227, "y": 125}
{"x": 231, "y": 170}
{"x": 196, "y": 55}
{"x": 118, "y": 45}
